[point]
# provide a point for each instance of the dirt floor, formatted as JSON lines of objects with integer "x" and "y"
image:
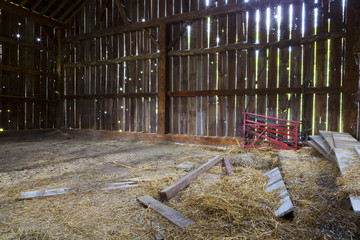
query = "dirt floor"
{"x": 223, "y": 207}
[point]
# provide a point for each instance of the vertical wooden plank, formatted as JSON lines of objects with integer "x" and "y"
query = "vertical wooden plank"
{"x": 335, "y": 65}
{"x": 251, "y": 61}
{"x": 284, "y": 62}
{"x": 193, "y": 77}
{"x": 296, "y": 63}
{"x": 162, "y": 127}
{"x": 272, "y": 70}
{"x": 351, "y": 70}
{"x": 231, "y": 73}
{"x": 223, "y": 83}
{"x": 204, "y": 66}
{"x": 308, "y": 66}
{"x": 212, "y": 77}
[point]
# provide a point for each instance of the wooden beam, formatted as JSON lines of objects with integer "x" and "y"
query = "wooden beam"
{"x": 5, "y": 98}
{"x": 43, "y": 11}
{"x": 63, "y": 3}
{"x": 351, "y": 70}
{"x": 111, "y": 96}
{"x": 76, "y": 11}
{"x": 246, "y": 45}
{"x": 69, "y": 52}
{"x": 101, "y": 13}
{"x": 35, "y": 5}
{"x": 51, "y": 38}
{"x": 268, "y": 91}
{"x": 69, "y": 10}
{"x": 218, "y": 141}
{"x": 191, "y": 16}
{"x": 179, "y": 35}
{"x": 173, "y": 189}
{"x": 25, "y": 44}
{"x": 123, "y": 13}
{"x": 151, "y": 37}
{"x": 172, "y": 215}
{"x": 23, "y": 2}
{"x": 25, "y": 71}
{"x": 113, "y": 61}
{"x": 163, "y": 107}
{"x": 59, "y": 80}
{"x": 19, "y": 11}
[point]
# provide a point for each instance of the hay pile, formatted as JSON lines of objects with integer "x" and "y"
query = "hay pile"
{"x": 223, "y": 207}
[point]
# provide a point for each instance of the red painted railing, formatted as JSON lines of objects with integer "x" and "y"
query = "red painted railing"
{"x": 282, "y": 133}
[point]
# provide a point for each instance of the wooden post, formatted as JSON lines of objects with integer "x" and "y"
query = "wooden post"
{"x": 163, "y": 109}
{"x": 351, "y": 73}
{"x": 59, "y": 89}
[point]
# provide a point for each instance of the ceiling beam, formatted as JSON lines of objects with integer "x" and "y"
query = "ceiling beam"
{"x": 69, "y": 10}
{"x": 23, "y": 2}
{"x": 63, "y": 2}
{"x": 47, "y": 7}
{"x": 35, "y": 5}
{"x": 79, "y": 8}
{"x": 19, "y": 11}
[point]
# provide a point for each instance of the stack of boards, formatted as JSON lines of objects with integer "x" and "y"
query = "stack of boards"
{"x": 343, "y": 149}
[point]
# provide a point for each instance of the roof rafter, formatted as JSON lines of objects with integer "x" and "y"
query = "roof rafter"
{"x": 33, "y": 7}
{"x": 20, "y": 11}
{"x": 76, "y": 11}
{"x": 69, "y": 10}
{"x": 63, "y": 3}
{"x": 47, "y": 7}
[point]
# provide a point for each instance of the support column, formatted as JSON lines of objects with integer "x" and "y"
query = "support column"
{"x": 163, "y": 104}
{"x": 351, "y": 71}
{"x": 59, "y": 88}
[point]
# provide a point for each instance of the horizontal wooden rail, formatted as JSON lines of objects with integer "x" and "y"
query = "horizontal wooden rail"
{"x": 246, "y": 45}
{"x": 25, "y": 44}
{"x": 110, "y": 96}
{"x": 5, "y": 98}
{"x": 113, "y": 61}
{"x": 26, "y": 71}
{"x": 209, "y": 12}
{"x": 273, "y": 91}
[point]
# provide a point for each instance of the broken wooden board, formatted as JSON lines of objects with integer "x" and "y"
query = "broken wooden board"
{"x": 120, "y": 185}
{"x": 355, "y": 203}
{"x": 285, "y": 207}
{"x": 228, "y": 166}
{"x": 60, "y": 191}
{"x": 186, "y": 166}
{"x": 172, "y": 215}
{"x": 344, "y": 140}
{"x": 173, "y": 189}
{"x": 276, "y": 183}
{"x": 328, "y": 137}
{"x": 43, "y": 193}
{"x": 318, "y": 143}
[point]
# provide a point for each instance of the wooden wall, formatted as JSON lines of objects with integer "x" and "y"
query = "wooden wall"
{"x": 27, "y": 74}
{"x": 278, "y": 58}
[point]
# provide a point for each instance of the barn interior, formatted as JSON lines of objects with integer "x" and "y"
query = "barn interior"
{"x": 179, "y": 119}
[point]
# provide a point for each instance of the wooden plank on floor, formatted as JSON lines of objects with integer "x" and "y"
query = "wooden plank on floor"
{"x": 344, "y": 140}
{"x": 345, "y": 156}
{"x": 276, "y": 183}
{"x": 173, "y": 189}
{"x": 228, "y": 166}
{"x": 42, "y": 193}
{"x": 355, "y": 203}
{"x": 328, "y": 137}
{"x": 172, "y": 215}
{"x": 321, "y": 147}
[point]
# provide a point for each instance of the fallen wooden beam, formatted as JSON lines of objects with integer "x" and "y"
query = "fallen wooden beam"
{"x": 328, "y": 137}
{"x": 228, "y": 166}
{"x": 172, "y": 215}
{"x": 173, "y": 189}
{"x": 318, "y": 143}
